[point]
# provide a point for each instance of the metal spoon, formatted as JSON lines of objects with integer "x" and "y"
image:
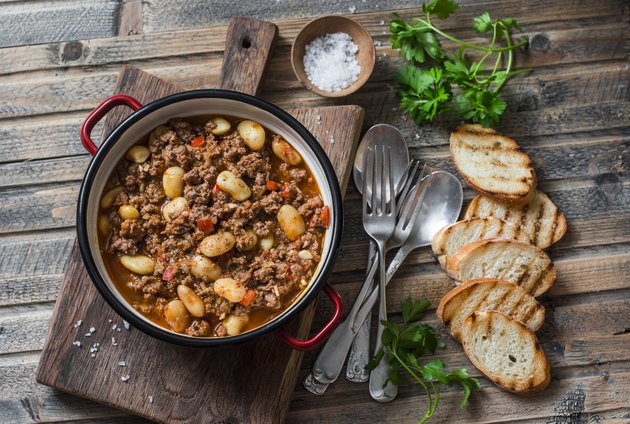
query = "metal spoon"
{"x": 377, "y": 135}
{"x": 441, "y": 205}
{"x": 359, "y": 352}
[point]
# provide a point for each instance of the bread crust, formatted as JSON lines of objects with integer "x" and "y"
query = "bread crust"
{"x": 532, "y": 315}
{"x": 542, "y": 284}
{"x": 540, "y": 219}
{"x": 538, "y": 382}
{"x": 481, "y": 184}
{"x": 491, "y": 227}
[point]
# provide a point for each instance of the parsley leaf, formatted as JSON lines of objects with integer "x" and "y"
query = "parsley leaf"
{"x": 483, "y": 23}
{"x": 424, "y": 94}
{"x": 427, "y": 93}
{"x": 440, "y": 8}
{"x": 406, "y": 344}
{"x": 416, "y": 42}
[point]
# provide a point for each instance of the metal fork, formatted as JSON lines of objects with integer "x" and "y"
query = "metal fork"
{"x": 379, "y": 221}
{"x": 329, "y": 362}
{"x": 359, "y": 352}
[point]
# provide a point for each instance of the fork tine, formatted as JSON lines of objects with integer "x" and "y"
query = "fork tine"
{"x": 412, "y": 205}
{"x": 392, "y": 184}
{"x": 367, "y": 181}
{"x": 384, "y": 177}
{"x": 412, "y": 168}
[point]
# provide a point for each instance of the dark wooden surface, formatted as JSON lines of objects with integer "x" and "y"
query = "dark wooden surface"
{"x": 572, "y": 114}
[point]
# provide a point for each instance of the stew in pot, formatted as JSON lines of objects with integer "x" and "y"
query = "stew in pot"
{"x": 211, "y": 226}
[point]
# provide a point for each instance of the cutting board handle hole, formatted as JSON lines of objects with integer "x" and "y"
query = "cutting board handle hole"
{"x": 246, "y": 43}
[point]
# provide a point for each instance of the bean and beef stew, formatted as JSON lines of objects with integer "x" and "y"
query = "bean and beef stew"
{"x": 211, "y": 226}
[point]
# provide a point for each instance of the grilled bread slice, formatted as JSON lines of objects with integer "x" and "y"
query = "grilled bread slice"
{"x": 489, "y": 294}
{"x": 451, "y": 238}
{"x": 493, "y": 164}
{"x": 520, "y": 263}
{"x": 541, "y": 219}
{"x": 506, "y": 351}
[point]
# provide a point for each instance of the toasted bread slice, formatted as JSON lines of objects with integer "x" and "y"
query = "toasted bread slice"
{"x": 451, "y": 238}
{"x": 489, "y": 294}
{"x": 506, "y": 351}
{"x": 541, "y": 219}
{"x": 493, "y": 164}
{"x": 520, "y": 263}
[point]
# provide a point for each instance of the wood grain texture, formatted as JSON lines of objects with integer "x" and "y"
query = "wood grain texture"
{"x": 248, "y": 48}
{"x": 572, "y": 114}
{"x": 214, "y": 376}
{"x": 48, "y": 21}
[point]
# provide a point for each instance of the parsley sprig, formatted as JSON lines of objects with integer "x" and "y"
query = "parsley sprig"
{"x": 427, "y": 93}
{"x": 406, "y": 344}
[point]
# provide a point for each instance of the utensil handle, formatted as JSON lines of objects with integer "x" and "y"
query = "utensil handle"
{"x": 380, "y": 388}
{"x": 329, "y": 362}
{"x": 99, "y": 113}
{"x": 360, "y": 349}
{"x": 248, "y": 47}
{"x": 324, "y": 332}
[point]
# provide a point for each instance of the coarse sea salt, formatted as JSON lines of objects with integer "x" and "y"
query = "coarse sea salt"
{"x": 330, "y": 62}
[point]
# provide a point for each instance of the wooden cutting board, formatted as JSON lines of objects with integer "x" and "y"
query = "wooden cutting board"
{"x": 125, "y": 368}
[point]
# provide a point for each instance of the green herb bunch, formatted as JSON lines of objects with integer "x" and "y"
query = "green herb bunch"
{"x": 406, "y": 343}
{"x": 427, "y": 93}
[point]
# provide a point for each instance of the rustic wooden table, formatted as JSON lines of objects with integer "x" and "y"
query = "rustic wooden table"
{"x": 59, "y": 59}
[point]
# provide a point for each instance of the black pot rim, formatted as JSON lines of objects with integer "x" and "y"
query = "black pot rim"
{"x": 206, "y": 342}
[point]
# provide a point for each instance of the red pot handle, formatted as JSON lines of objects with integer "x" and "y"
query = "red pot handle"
{"x": 324, "y": 332}
{"x": 98, "y": 114}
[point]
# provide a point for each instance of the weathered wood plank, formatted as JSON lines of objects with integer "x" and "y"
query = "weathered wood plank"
{"x": 561, "y": 45}
{"x": 47, "y": 21}
{"x": 176, "y": 14}
{"x": 84, "y": 88}
{"x": 553, "y": 160}
{"x": 35, "y": 255}
{"x": 595, "y": 390}
{"x": 53, "y": 205}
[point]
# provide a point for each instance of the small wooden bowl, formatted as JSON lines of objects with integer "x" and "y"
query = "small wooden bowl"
{"x": 328, "y": 25}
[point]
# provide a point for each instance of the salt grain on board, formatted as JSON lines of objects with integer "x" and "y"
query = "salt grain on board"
{"x": 121, "y": 364}
{"x": 125, "y": 378}
{"x": 330, "y": 62}
{"x": 76, "y": 343}
{"x": 126, "y": 324}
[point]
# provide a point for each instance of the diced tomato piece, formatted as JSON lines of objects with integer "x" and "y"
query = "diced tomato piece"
{"x": 285, "y": 192}
{"x": 168, "y": 274}
{"x": 197, "y": 141}
{"x": 205, "y": 224}
{"x": 272, "y": 185}
{"x": 325, "y": 216}
{"x": 215, "y": 189}
{"x": 249, "y": 296}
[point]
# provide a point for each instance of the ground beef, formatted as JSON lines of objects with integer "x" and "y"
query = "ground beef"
{"x": 173, "y": 244}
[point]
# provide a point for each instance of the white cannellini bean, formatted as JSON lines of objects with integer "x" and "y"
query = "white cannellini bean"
{"x": 252, "y": 133}
{"x": 204, "y": 269}
{"x": 140, "y": 264}
{"x": 305, "y": 254}
{"x": 173, "y": 181}
{"x": 128, "y": 212}
{"x": 107, "y": 201}
{"x": 222, "y": 125}
{"x": 266, "y": 243}
{"x": 157, "y": 133}
{"x": 291, "y": 222}
{"x": 191, "y": 301}
{"x": 230, "y": 289}
{"x": 174, "y": 208}
{"x": 138, "y": 154}
{"x": 217, "y": 244}
{"x": 176, "y": 315}
{"x": 233, "y": 185}
{"x": 104, "y": 225}
{"x": 251, "y": 242}
{"x": 234, "y": 324}
{"x": 285, "y": 151}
